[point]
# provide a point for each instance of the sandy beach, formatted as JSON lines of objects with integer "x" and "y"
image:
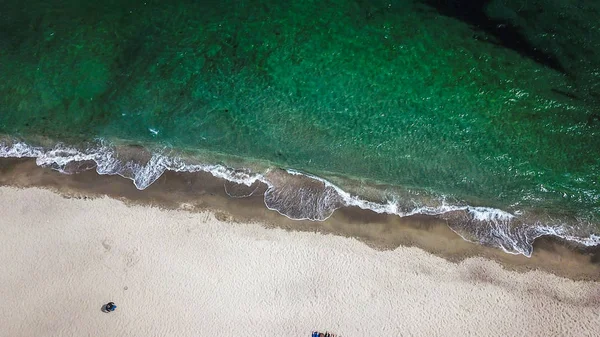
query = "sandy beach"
{"x": 177, "y": 273}
{"x": 280, "y": 168}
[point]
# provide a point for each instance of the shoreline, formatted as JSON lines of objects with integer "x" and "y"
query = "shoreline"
{"x": 303, "y": 196}
{"x": 198, "y": 192}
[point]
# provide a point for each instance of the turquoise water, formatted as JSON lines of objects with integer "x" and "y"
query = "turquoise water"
{"x": 492, "y": 105}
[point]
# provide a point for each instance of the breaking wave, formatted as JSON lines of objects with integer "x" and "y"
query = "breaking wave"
{"x": 297, "y": 195}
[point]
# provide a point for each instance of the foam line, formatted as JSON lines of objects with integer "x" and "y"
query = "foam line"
{"x": 302, "y": 196}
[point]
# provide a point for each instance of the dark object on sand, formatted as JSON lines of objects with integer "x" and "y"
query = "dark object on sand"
{"x": 320, "y": 334}
{"x": 110, "y": 306}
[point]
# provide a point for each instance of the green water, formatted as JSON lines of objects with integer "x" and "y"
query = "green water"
{"x": 390, "y": 91}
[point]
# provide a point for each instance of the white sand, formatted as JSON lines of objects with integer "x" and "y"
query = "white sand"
{"x": 173, "y": 273}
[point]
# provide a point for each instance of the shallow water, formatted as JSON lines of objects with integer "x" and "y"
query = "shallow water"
{"x": 493, "y": 104}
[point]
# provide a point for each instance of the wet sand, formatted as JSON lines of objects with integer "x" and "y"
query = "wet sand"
{"x": 198, "y": 192}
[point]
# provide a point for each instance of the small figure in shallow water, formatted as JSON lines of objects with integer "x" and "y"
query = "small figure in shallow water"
{"x": 110, "y": 306}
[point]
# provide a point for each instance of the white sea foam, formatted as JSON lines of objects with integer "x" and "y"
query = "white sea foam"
{"x": 489, "y": 214}
{"x": 492, "y": 226}
{"x": 107, "y": 163}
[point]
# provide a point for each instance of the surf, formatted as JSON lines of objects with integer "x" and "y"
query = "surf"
{"x": 303, "y": 196}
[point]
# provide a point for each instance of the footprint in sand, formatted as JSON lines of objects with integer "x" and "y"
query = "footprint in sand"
{"x": 131, "y": 258}
{"x": 106, "y": 245}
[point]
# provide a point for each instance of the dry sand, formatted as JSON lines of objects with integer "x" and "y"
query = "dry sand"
{"x": 175, "y": 273}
